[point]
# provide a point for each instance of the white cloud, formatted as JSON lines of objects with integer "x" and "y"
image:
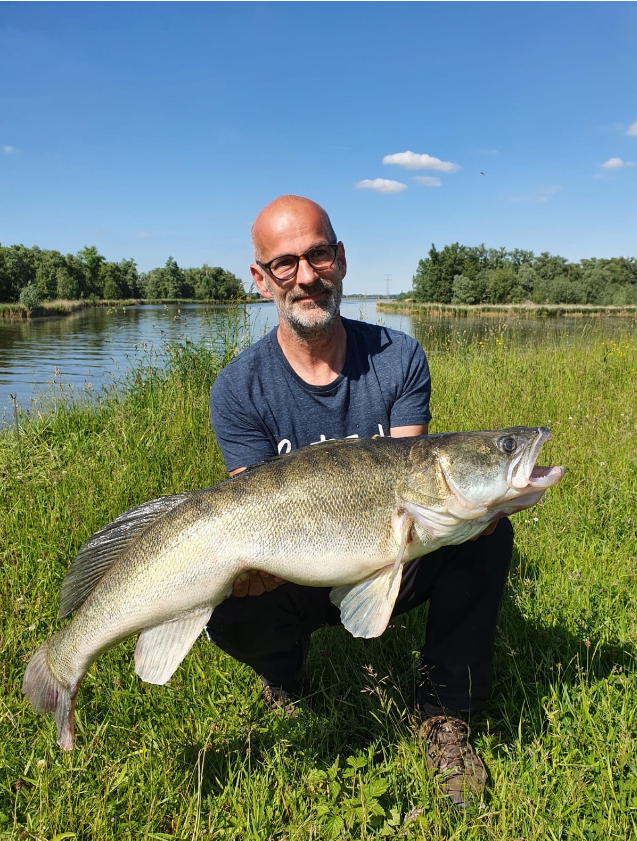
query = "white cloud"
{"x": 381, "y": 185}
{"x": 539, "y": 196}
{"x": 8, "y": 149}
{"x": 616, "y": 163}
{"x": 428, "y": 181}
{"x": 144, "y": 235}
{"x": 632, "y": 129}
{"x": 410, "y": 160}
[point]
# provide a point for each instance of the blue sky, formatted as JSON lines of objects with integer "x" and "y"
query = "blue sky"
{"x": 157, "y": 129}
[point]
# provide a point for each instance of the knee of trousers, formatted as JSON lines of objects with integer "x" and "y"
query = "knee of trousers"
{"x": 271, "y": 622}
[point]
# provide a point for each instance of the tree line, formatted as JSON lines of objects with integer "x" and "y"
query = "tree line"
{"x": 460, "y": 274}
{"x": 33, "y": 275}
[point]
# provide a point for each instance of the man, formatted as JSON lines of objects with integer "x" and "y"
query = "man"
{"x": 318, "y": 376}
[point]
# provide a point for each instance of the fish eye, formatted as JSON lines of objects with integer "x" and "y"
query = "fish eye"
{"x": 507, "y": 445}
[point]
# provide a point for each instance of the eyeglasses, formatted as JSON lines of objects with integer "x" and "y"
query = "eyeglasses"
{"x": 321, "y": 257}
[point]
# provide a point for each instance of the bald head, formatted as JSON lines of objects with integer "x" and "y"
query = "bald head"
{"x": 287, "y": 215}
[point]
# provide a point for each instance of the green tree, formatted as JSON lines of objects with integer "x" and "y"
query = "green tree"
{"x": 520, "y": 257}
{"x": 525, "y": 281}
{"x": 129, "y": 278}
{"x": 214, "y": 283}
{"x": 19, "y": 265}
{"x": 152, "y": 283}
{"x": 499, "y": 284}
{"x": 111, "y": 281}
{"x": 92, "y": 261}
{"x": 466, "y": 290}
{"x": 434, "y": 277}
{"x": 47, "y": 266}
{"x": 66, "y": 285}
{"x": 6, "y": 282}
{"x": 77, "y": 280}
{"x": 173, "y": 279}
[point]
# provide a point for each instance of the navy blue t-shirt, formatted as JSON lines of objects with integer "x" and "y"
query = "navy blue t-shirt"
{"x": 260, "y": 407}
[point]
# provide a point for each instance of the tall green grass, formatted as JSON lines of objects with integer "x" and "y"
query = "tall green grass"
{"x": 202, "y": 758}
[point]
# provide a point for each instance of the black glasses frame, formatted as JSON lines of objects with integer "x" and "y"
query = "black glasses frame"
{"x": 298, "y": 258}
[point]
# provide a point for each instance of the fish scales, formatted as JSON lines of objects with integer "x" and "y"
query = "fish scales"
{"x": 339, "y": 497}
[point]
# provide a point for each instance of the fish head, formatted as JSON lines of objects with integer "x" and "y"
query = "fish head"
{"x": 478, "y": 475}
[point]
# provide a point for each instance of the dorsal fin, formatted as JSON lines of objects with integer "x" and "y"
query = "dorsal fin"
{"x": 101, "y": 550}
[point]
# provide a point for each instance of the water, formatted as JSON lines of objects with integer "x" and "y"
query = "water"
{"x": 81, "y": 353}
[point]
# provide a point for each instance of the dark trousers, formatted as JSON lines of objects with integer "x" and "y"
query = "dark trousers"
{"x": 464, "y": 586}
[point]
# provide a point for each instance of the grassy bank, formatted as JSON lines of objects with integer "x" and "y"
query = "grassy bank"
{"x": 513, "y": 310}
{"x": 49, "y": 309}
{"x": 201, "y": 758}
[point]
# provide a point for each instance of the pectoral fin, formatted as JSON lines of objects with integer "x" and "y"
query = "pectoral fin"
{"x": 366, "y": 607}
{"x": 161, "y": 649}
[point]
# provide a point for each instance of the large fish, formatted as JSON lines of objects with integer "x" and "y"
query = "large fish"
{"x": 346, "y": 514}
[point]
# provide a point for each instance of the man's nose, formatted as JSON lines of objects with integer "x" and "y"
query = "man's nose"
{"x": 305, "y": 273}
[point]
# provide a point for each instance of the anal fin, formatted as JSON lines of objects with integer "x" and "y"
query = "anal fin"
{"x": 161, "y": 649}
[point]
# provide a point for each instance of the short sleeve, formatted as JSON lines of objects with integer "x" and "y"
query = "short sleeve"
{"x": 411, "y": 406}
{"x": 240, "y": 431}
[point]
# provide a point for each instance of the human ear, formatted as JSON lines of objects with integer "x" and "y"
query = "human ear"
{"x": 260, "y": 281}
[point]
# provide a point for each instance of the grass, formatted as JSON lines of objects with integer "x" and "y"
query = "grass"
{"x": 201, "y": 758}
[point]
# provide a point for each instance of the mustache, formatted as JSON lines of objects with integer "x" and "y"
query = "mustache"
{"x": 316, "y": 289}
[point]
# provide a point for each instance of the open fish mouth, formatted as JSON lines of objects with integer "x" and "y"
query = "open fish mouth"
{"x": 545, "y": 477}
{"x": 524, "y": 474}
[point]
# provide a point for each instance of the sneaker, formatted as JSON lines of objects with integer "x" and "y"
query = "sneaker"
{"x": 449, "y": 752}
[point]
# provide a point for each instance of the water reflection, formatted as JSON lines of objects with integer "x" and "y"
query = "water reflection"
{"x": 82, "y": 353}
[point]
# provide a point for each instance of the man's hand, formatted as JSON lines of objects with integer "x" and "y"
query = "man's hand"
{"x": 255, "y": 583}
{"x": 489, "y": 530}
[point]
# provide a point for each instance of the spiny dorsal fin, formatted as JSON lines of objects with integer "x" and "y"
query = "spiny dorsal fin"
{"x": 101, "y": 550}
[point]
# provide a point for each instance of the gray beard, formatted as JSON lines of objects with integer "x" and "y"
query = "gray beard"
{"x": 305, "y": 325}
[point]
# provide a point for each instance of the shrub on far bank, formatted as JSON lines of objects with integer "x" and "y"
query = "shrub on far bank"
{"x": 29, "y": 297}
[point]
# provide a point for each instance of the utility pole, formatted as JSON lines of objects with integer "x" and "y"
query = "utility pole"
{"x": 388, "y": 278}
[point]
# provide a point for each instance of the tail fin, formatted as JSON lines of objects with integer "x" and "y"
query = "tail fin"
{"x": 47, "y": 695}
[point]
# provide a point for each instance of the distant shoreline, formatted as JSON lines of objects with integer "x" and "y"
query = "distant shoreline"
{"x": 56, "y": 309}
{"x": 513, "y": 310}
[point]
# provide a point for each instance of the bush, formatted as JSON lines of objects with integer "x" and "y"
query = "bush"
{"x": 30, "y": 297}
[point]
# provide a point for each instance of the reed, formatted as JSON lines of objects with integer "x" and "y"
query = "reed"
{"x": 526, "y": 310}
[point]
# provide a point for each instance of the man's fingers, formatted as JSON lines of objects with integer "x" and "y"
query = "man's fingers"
{"x": 254, "y": 583}
{"x": 270, "y": 582}
{"x": 256, "y": 586}
{"x": 241, "y": 584}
